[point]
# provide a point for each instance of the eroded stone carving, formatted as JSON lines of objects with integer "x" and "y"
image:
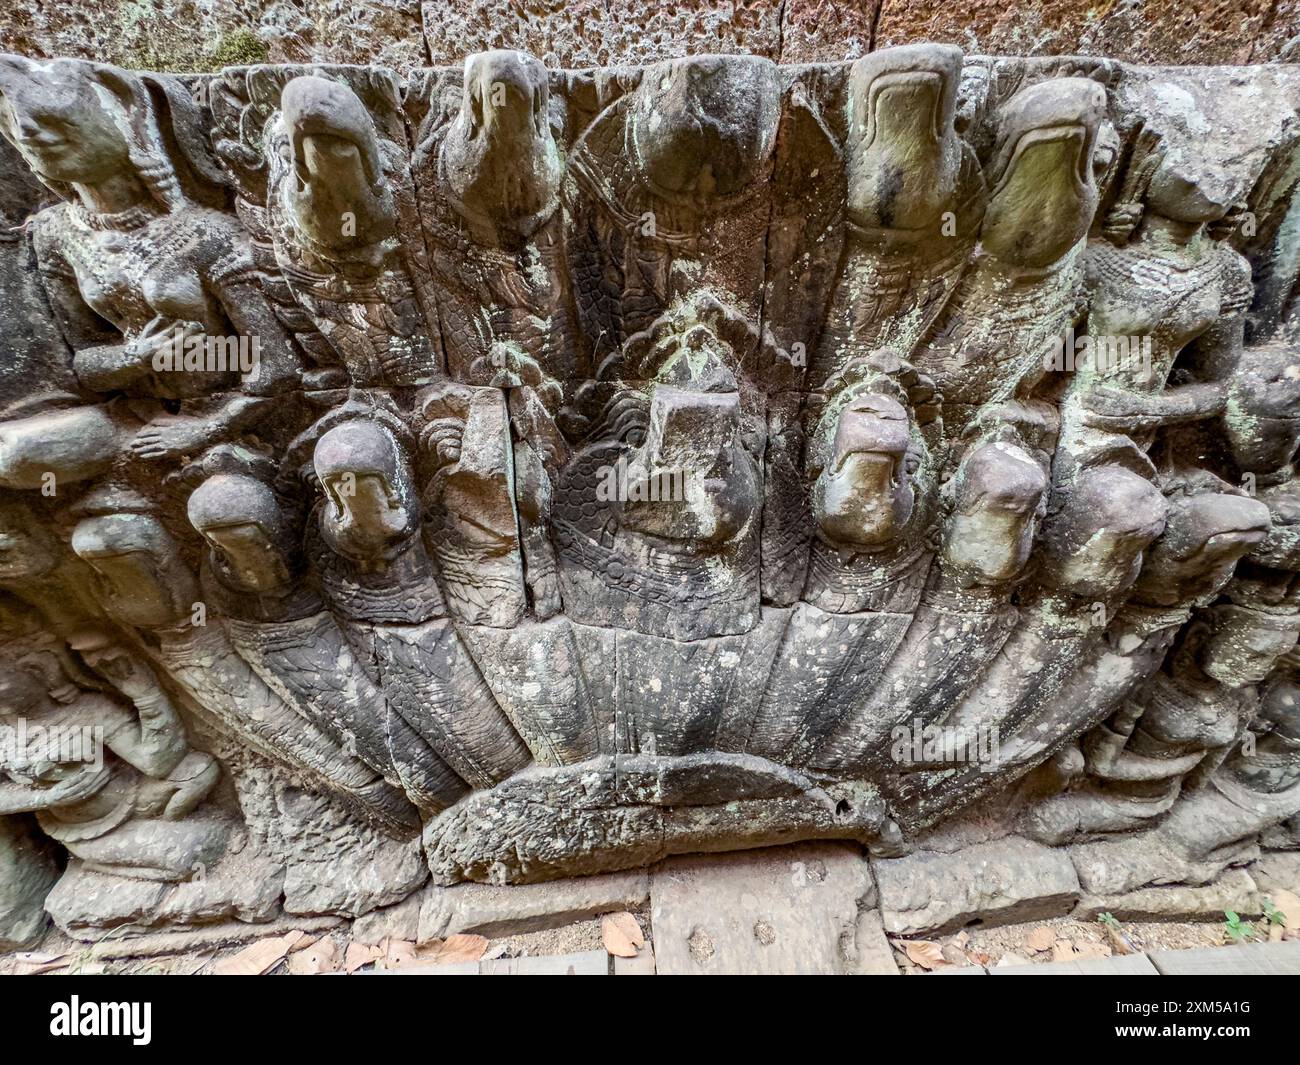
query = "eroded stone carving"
{"x": 507, "y": 473}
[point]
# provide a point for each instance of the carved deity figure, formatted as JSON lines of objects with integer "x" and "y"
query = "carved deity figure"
{"x": 155, "y": 289}
{"x": 123, "y": 797}
{"x": 1160, "y": 289}
{"x": 656, "y": 514}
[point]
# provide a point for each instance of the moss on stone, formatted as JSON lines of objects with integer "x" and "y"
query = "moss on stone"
{"x": 238, "y": 49}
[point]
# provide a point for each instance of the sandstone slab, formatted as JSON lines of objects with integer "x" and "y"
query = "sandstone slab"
{"x": 1122, "y": 965}
{"x": 85, "y": 904}
{"x": 790, "y": 910}
{"x": 1234, "y": 890}
{"x": 486, "y": 909}
{"x": 1243, "y": 959}
{"x": 1003, "y": 881}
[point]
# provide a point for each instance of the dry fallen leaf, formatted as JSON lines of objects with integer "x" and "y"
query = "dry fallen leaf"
{"x": 960, "y": 940}
{"x": 1011, "y": 959}
{"x": 359, "y": 954}
{"x": 452, "y": 950}
{"x": 924, "y": 953}
{"x": 463, "y": 947}
{"x": 321, "y": 957}
{"x": 1089, "y": 949}
{"x": 1063, "y": 950}
{"x": 397, "y": 952}
{"x": 256, "y": 958}
{"x": 303, "y": 943}
{"x": 296, "y": 940}
{"x": 1040, "y": 939}
{"x": 621, "y": 935}
{"x": 1120, "y": 941}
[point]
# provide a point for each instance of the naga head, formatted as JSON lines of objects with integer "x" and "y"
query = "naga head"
{"x": 1246, "y": 644}
{"x": 904, "y": 155}
{"x": 337, "y": 195}
{"x": 863, "y": 496}
{"x": 370, "y": 512}
{"x": 1000, "y": 497}
{"x": 143, "y": 580}
{"x": 1093, "y": 544}
{"x": 241, "y": 521}
{"x": 703, "y": 128}
{"x": 1205, "y": 534}
{"x": 500, "y": 157}
{"x": 692, "y": 481}
{"x": 1043, "y": 190}
{"x": 865, "y": 453}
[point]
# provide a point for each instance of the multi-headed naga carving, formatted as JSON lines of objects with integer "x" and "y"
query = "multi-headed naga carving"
{"x": 507, "y": 473}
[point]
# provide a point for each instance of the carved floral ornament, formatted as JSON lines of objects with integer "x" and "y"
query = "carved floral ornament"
{"x": 511, "y": 473}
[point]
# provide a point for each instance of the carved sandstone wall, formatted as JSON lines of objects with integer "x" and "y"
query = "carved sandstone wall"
{"x": 199, "y": 35}
{"x": 499, "y": 472}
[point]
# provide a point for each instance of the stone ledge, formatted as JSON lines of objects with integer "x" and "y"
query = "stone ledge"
{"x": 502, "y": 911}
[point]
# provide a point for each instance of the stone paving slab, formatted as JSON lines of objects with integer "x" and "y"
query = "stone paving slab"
{"x": 1121, "y": 965}
{"x": 1245, "y": 959}
{"x": 785, "y": 910}
{"x": 642, "y": 965}
{"x": 584, "y": 963}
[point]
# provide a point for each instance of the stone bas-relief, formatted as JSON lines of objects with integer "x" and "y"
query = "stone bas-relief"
{"x": 507, "y": 473}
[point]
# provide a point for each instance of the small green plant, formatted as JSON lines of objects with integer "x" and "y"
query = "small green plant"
{"x": 1237, "y": 930}
{"x": 1272, "y": 914}
{"x": 1120, "y": 940}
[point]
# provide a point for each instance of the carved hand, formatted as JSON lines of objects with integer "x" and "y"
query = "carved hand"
{"x": 171, "y": 436}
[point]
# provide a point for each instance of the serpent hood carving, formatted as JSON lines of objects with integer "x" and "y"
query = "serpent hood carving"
{"x": 506, "y": 473}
